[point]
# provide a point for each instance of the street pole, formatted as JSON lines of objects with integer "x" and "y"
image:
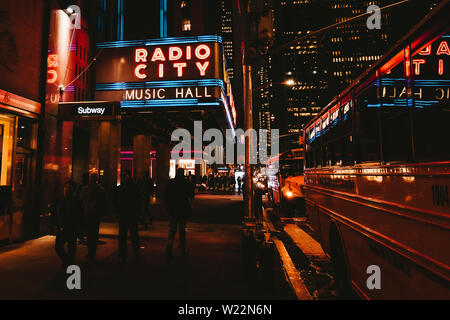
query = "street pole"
{"x": 248, "y": 124}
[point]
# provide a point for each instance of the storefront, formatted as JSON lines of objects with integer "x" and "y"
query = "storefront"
{"x": 18, "y": 145}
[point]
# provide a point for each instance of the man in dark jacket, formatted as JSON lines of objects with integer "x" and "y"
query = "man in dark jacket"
{"x": 127, "y": 202}
{"x": 93, "y": 199}
{"x": 177, "y": 199}
{"x": 67, "y": 216}
{"x": 83, "y": 228}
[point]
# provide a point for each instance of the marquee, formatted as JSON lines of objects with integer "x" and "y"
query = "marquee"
{"x": 186, "y": 72}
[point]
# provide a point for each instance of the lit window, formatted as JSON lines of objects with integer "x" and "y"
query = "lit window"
{"x": 186, "y": 25}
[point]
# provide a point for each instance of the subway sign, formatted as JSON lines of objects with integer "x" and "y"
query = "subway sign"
{"x": 88, "y": 110}
{"x": 165, "y": 73}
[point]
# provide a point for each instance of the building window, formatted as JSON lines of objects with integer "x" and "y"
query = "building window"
{"x": 7, "y": 124}
{"x": 186, "y": 25}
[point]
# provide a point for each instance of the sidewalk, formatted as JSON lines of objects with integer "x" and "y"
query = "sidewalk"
{"x": 213, "y": 269}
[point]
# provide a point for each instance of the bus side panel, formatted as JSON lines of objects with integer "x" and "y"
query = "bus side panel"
{"x": 319, "y": 222}
{"x": 401, "y": 277}
{"x": 313, "y": 216}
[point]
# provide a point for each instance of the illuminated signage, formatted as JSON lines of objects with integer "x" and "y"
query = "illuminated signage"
{"x": 160, "y": 64}
{"x": 427, "y": 71}
{"x": 52, "y": 64}
{"x": 87, "y": 110}
{"x": 167, "y": 72}
{"x": 152, "y": 61}
{"x": 91, "y": 110}
{"x": 169, "y": 93}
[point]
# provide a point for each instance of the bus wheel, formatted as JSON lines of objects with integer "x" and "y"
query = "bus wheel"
{"x": 339, "y": 264}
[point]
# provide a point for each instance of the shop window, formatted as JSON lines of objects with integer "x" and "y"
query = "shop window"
{"x": 6, "y": 148}
{"x": 25, "y": 130}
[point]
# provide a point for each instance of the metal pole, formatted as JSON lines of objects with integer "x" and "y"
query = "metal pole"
{"x": 248, "y": 124}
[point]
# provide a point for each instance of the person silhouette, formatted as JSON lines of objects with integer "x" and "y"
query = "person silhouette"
{"x": 178, "y": 196}
{"x": 127, "y": 203}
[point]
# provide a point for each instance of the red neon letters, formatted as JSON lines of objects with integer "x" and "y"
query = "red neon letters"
{"x": 417, "y": 63}
{"x": 137, "y": 71}
{"x": 52, "y": 62}
{"x": 443, "y": 49}
{"x": 440, "y": 48}
{"x": 174, "y": 60}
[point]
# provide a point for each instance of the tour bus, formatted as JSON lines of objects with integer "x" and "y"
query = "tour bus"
{"x": 377, "y": 171}
{"x": 285, "y": 180}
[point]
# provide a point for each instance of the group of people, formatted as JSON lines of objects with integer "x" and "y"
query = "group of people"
{"x": 222, "y": 182}
{"x": 78, "y": 212}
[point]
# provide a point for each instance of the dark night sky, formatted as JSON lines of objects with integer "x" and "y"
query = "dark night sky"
{"x": 141, "y": 19}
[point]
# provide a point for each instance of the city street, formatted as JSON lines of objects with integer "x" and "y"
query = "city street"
{"x": 213, "y": 269}
{"x": 300, "y": 146}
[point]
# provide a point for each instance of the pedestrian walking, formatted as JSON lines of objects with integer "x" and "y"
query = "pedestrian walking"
{"x": 127, "y": 204}
{"x": 210, "y": 182}
{"x": 82, "y": 234}
{"x": 93, "y": 199}
{"x": 239, "y": 183}
{"x": 191, "y": 179}
{"x": 178, "y": 197}
{"x": 67, "y": 213}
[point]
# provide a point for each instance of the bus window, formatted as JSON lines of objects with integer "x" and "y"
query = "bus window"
{"x": 291, "y": 168}
{"x": 349, "y": 151}
{"x": 338, "y": 151}
{"x": 396, "y": 135}
{"x": 431, "y": 133}
{"x": 367, "y": 125}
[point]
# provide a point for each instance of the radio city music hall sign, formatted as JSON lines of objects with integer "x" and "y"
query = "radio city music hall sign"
{"x": 166, "y": 71}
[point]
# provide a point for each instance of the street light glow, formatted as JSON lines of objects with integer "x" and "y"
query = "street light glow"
{"x": 290, "y": 82}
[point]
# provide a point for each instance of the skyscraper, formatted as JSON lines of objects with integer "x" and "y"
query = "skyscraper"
{"x": 262, "y": 64}
{"x": 310, "y": 66}
{"x": 193, "y": 17}
{"x": 299, "y": 76}
{"x": 226, "y": 31}
{"x": 353, "y": 47}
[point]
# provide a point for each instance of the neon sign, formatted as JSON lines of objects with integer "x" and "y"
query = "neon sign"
{"x": 157, "y": 61}
{"x": 441, "y": 50}
{"x": 169, "y": 93}
{"x": 427, "y": 76}
{"x": 168, "y": 72}
{"x": 52, "y": 64}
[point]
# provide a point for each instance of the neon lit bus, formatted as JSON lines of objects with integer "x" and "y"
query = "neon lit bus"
{"x": 377, "y": 170}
